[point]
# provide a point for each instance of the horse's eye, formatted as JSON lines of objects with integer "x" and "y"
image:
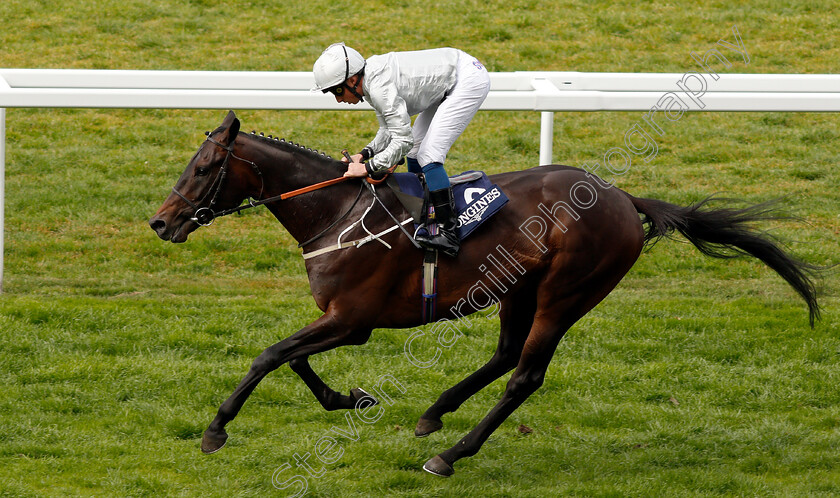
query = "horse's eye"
{"x": 201, "y": 171}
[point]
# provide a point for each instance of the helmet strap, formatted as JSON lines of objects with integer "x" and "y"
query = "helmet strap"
{"x": 352, "y": 89}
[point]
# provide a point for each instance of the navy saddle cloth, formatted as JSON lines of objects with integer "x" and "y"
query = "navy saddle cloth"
{"x": 476, "y": 198}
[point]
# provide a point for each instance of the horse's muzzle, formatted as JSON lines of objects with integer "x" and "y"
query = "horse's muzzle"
{"x": 159, "y": 226}
{"x": 173, "y": 232}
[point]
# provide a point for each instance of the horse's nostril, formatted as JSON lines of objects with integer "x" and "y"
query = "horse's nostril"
{"x": 157, "y": 224}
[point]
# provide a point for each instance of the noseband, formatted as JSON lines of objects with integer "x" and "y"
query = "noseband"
{"x": 205, "y": 215}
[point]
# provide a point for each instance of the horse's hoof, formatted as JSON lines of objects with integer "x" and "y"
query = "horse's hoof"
{"x": 359, "y": 393}
{"x": 438, "y": 467}
{"x": 212, "y": 442}
{"x": 426, "y": 427}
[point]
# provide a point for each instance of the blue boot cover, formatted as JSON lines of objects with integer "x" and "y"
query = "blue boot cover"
{"x": 413, "y": 165}
{"x": 436, "y": 177}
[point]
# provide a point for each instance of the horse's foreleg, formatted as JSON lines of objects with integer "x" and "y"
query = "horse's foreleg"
{"x": 516, "y": 317}
{"x": 328, "y": 398}
{"x": 321, "y": 335}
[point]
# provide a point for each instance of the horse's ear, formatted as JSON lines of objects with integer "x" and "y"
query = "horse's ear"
{"x": 230, "y": 118}
{"x": 231, "y": 124}
{"x": 234, "y": 128}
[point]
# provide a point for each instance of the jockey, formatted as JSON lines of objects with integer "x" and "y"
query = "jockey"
{"x": 444, "y": 87}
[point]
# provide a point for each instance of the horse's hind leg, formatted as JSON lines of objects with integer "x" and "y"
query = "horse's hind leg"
{"x": 328, "y": 398}
{"x": 552, "y": 318}
{"x": 527, "y": 378}
{"x": 516, "y": 317}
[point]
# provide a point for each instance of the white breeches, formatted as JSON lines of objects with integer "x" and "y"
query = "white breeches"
{"x": 437, "y": 128}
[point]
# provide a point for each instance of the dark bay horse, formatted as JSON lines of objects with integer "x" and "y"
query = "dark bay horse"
{"x": 561, "y": 244}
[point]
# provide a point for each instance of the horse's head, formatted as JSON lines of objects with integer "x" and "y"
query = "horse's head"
{"x": 207, "y": 185}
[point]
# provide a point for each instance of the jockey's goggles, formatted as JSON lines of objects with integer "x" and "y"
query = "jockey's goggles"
{"x": 337, "y": 90}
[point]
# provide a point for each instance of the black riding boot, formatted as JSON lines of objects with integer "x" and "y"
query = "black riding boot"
{"x": 446, "y": 239}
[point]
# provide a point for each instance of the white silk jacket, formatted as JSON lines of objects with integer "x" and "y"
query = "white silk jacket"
{"x": 399, "y": 85}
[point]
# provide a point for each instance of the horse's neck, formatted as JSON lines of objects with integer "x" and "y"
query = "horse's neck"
{"x": 286, "y": 167}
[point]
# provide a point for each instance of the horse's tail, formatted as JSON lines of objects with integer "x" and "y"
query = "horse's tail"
{"x": 728, "y": 233}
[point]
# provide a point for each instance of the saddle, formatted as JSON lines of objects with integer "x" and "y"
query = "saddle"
{"x": 476, "y": 198}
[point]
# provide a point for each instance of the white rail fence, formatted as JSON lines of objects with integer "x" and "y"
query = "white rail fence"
{"x": 544, "y": 92}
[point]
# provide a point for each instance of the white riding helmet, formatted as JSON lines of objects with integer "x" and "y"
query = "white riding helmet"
{"x": 337, "y": 63}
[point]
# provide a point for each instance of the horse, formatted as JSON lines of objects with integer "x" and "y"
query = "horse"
{"x": 558, "y": 247}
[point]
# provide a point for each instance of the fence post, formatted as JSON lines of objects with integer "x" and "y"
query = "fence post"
{"x": 546, "y": 137}
{"x": 546, "y": 92}
{"x": 3, "y": 85}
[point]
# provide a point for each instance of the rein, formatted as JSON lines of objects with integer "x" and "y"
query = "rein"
{"x": 205, "y": 215}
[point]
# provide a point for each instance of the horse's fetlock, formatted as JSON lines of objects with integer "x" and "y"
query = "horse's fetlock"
{"x": 331, "y": 401}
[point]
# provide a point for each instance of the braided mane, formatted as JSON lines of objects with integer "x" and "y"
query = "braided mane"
{"x": 298, "y": 147}
{"x": 314, "y": 153}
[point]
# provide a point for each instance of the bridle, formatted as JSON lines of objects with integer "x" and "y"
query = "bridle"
{"x": 205, "y": 215}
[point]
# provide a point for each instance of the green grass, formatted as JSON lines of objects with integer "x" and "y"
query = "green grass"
{"x": 695, "y": 377}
